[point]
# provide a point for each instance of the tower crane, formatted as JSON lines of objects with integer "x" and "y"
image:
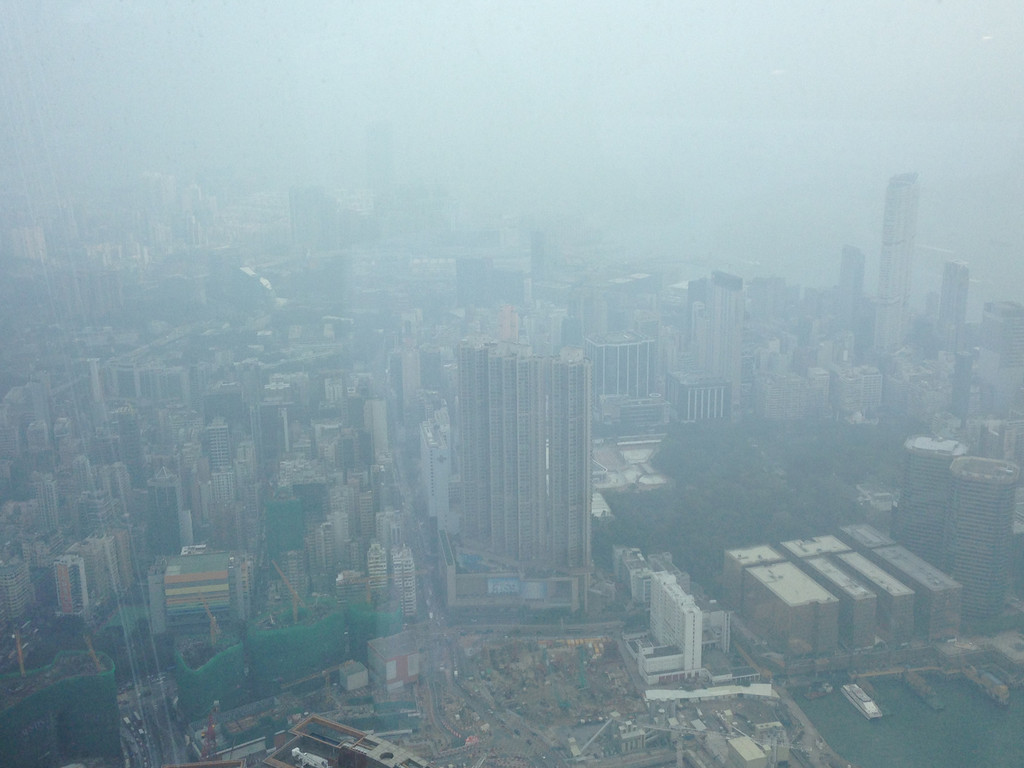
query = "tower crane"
{"x": 296, "y": 600}
{"x": 92, "y": 652}
{"x": 214, "y": 629}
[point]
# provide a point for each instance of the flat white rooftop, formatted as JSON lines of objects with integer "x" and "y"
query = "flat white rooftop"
{"x": 937, "y": 445}
{"x": 867, "y": 536}
{"x": 791, "y": 585}
{"x": 819, "y": 545}
{"x": 875, "y": 575}
{"x": 718, "y": 692}
{"x": 840, "y": 578}
{"x": 758, "y": 555}
{"x": 917, "y": 569}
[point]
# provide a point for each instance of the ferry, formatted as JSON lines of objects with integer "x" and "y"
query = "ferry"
{"x": 864, "y": 703}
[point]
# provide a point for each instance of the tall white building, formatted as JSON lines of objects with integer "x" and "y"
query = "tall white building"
{"x": 435, "y": 470}
{"x": 377, "y": 569}
{"x": 899, "y": 228}
{"x": 675, "y": 619}
{"x": 403, "y": 577}
{"x": 723, "y": 347}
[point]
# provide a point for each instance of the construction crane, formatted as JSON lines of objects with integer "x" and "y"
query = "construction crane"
{"x": 296, "y": 600}
{"x": 92, "y": 652}
{"x": 214, "y": 629}
{"x": 210, "y": 734}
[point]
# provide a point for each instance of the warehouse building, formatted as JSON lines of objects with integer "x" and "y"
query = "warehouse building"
{"x": 816, "y": 547}
{"x": 856, "y": 601}
{"x": 736, "y": 562}
{"x": 894, "y": 606}
{"x": 790, "y": 610}
{"x": 937, "y": 596}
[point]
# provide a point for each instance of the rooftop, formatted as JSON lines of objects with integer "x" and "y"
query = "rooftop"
{"x": 189, "y": 564}
{"x": 875, "y": 575}
{"x": 839, "y": 577}
{"x": 985, "y": 470}
{"x": 758, "y": 555}
{"x": 819, "y": 545}
{"x": 866, "y": 536}
{"x": 938, "y": 445}
{"x": 339, "y": 744}
{"x": 395, "y": 645}
{"x": 916, "y": 569}
{"x": 791, "y": 585}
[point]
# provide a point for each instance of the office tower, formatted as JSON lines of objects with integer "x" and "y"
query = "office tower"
{"x": 623, "y": 363}
{"x": 953, "y": 305}
{"x": 72, "y": 591}
{"x": 899, "y": 227}
{"x": 218, "y": 445}
{"x": 851, "y": 287}
{"x": 963, "y": 370}
{"x": 1001, "y": 356}
{"x": 524, "y": 453}
{"x": 129, "y": 439}
{"x": 375, "y": 421}
{"x": 982, "y": 509}
{"x": 724, "y": 342}
{"x": 165, "y": 522}
{"x": 921, "y": 519}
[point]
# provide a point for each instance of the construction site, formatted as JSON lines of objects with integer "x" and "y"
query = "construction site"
{"x": 41, "y": 718}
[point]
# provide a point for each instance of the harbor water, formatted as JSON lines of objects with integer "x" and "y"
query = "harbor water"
{"x": 971, "y": 730}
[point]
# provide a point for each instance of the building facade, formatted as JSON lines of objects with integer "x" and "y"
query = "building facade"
{"x": 524, "y": 453}
{"x": 899, "y": 228}
{"x": 982, "y": 511}
{"x": 921, "y": 520}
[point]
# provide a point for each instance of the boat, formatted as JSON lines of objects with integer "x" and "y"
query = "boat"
{"x": 923, "y": 691}
{"x": 864, "y": 703}
{"x": 995, "y": 688}
{"x": 817, "y": 691}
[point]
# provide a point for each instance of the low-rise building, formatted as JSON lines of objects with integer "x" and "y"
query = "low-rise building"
{"x": 395, "y": 660}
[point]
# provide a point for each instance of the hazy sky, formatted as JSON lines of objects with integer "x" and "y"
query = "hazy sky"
{"x": 741, "y": 131}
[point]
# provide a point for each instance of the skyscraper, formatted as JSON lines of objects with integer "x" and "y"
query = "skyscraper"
{"x": 1001, "y": 356}
{"x": 569, "y": 459}
{"x": 982, "y": 508}
{"x": 524, "y": 453}
{"x": 953, "y": 304}
{"x": 899, "y": 227}
{"x": 921, "y": 520}
{"x": 623, "y": 363}
{"x": 724, "y": 322}
{"x": 218, "y": 443}
{"x": 851, "y": 287}
{"x": 168, "y": 525}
